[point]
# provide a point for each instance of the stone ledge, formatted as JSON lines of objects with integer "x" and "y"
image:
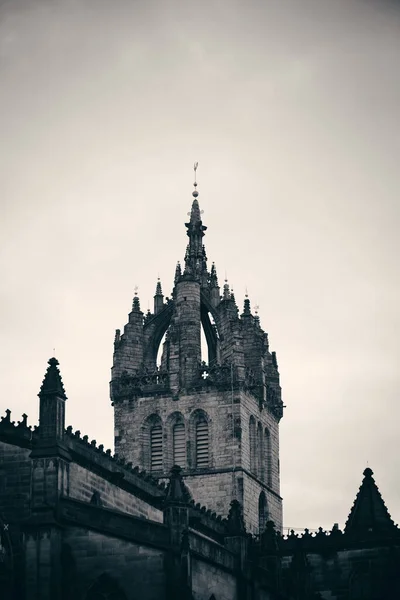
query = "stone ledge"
{"x": 111, "y": 522}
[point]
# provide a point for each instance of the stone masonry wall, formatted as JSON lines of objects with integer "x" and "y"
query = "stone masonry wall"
{"x": 214, "y": 491}
{"x": 82, "y": 484}
{"x": 15, "y": 482}
{"x": 250, "y": 407}
{"x": 137, "y": 569}
{"x": 208, "y": 579}
{"x": 131, "y": 432}
{"x": 229, "y": 447}
{"x": 251, "y": 493}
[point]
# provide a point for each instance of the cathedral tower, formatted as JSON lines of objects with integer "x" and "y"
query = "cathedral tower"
{"x": 218, "y": 420}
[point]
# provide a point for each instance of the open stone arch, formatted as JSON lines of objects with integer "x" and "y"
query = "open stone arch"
{"x": 157, "y": 327}
{"x": 154, "y": 331}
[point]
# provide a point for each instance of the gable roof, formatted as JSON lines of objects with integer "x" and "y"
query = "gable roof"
{"x": 369, "y": 512}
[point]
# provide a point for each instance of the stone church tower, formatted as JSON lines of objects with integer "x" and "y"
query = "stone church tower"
{"x": 218, "y": 420}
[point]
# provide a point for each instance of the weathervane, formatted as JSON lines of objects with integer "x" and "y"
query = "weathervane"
{"x": 196, "y": 164}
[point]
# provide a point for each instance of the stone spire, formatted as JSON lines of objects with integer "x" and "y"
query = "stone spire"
{"x": 194, "y": 259}
{"x": 369, "y": 514}
{"x": 246, "y": 305}
{"x": 235, "y": 522}
{"x": 136, "y": 302}
{"x": 51, "y": 414}
{"x": 226, "y": 293}
{"x": 158, "y": 298}
{"x": 177, "y": 492}
{"x": 213, "y": 276}
{"x": 52, "y": 383}
{"x": 178, "y": 272}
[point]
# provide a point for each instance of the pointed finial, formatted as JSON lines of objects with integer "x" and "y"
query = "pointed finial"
{"x": 158, "y": 287}
{"x": 226, "y": 290}
{"x": 246, "y": 307}
{"x": 246, "y": 295}
{"x": 52, "y": 382}
{"x": 136, "y": 289}
{"x": 195, "y": 192}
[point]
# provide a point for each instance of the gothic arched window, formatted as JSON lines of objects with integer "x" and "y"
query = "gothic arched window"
{"x": 253, "y": 446}
{"x": 260, "y": 452}
{"x": 202, "y": 443}
{"x": 262, "y": 513}
{"x": 268, "y": 457}
{"x": 156, "y": 456}
{"x": 179, "y": 445}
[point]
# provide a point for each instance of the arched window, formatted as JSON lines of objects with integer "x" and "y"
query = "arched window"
{"x": 179, "y": 445}
{"x": 202, "y": 443}
{"x": 267, "y": 458}
{"x": 262, "y": 513}
{"x": 156, "y": 461}
{"x": 253, "y": 446}
{"x": 260, "y": 452}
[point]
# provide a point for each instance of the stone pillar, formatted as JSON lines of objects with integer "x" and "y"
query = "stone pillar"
{"x": 187, "y": 324}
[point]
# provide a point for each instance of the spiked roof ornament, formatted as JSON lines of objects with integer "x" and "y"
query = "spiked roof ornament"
{"x": 52, "y": 382}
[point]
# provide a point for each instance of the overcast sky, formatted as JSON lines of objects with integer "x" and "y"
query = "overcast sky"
{"x": 292, "y": 108}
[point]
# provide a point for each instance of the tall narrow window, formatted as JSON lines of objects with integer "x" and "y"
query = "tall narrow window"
{"x": 268, "y": 458}
{"x": 253, "y": 445}
{"x": 260, "y": 452}
{"x": 262, "y": 513}
{"x": 202, "y": 444}
{"x": 156, "y": 448}
{"x": 179, "y": 445}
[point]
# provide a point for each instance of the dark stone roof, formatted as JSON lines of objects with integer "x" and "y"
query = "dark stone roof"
{"x": 369, "y": 513}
